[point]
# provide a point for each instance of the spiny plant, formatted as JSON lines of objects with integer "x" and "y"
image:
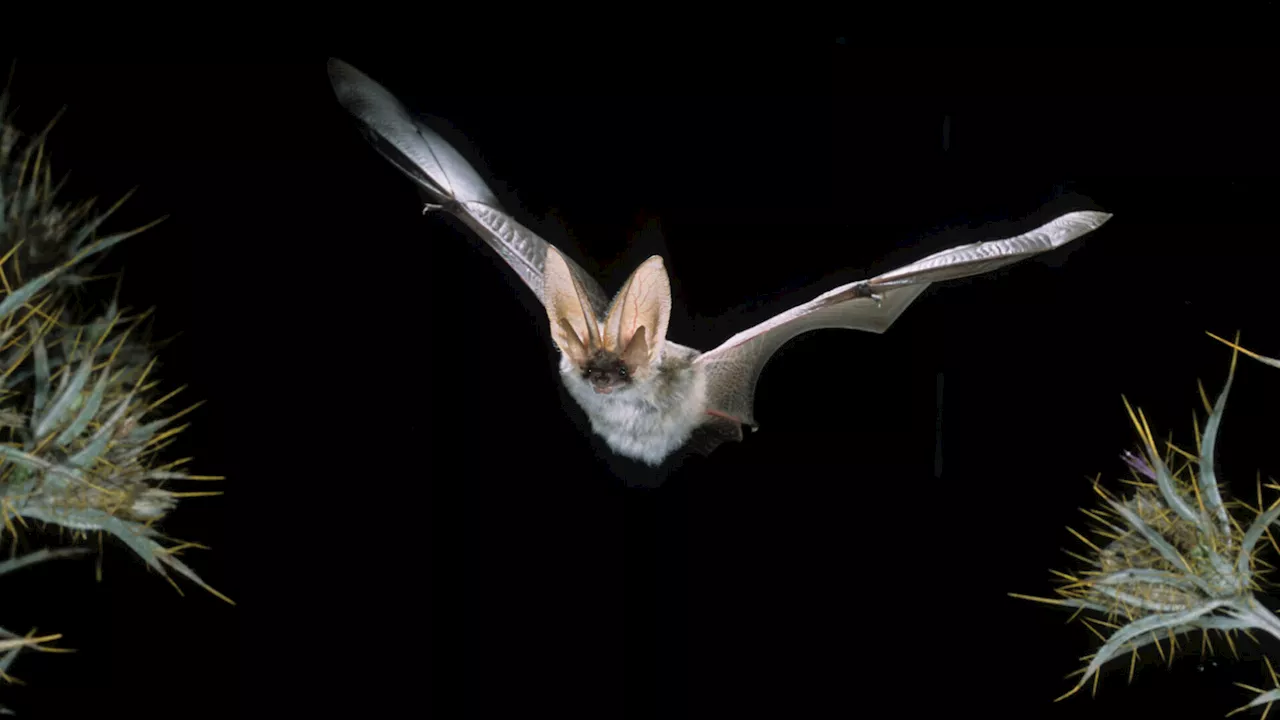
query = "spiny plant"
{"x": 1173, "y": 557}
{"x": 1236, "y": 345}
{"x": 79, "y": 433}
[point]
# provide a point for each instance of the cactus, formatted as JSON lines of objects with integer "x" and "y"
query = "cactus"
{"x": 1174, "y": 557}
{"x": 79, "y": 428}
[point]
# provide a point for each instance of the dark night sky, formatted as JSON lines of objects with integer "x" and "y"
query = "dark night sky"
{"x": 413, "y": 500}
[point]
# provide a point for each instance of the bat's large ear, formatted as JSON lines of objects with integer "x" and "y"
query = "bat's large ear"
{"x": 573, "y": 323}
{"x": 644, "y": 302}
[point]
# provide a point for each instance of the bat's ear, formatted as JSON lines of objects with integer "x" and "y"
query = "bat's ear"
{"x": 644, "y": 302}
{"x": 573, "y": 323}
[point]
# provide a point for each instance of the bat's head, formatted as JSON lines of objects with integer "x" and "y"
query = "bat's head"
{"x": 624, "y": 349}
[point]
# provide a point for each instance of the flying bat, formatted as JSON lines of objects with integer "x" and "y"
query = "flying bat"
{"x": 644, "y": 394}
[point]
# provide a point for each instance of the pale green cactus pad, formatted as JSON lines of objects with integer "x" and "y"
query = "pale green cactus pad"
{"x": 80, "y": 433}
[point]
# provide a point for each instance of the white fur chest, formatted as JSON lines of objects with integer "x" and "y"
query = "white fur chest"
{"x": 648, "y": 420}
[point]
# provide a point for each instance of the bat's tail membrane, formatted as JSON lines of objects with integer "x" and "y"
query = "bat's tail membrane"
{"x": 417, "y": 150}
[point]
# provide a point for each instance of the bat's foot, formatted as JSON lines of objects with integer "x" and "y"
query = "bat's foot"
{"x": 428, "y": 207}
{"x": 724, "y": 416}
{"x": 710, "y": 435}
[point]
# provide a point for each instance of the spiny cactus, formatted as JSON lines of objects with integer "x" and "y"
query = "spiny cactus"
{"x": 79, "y": 432}
{"x": 1173, "y": 557}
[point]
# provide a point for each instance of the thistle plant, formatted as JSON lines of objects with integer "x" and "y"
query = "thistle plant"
{"x": 1173, "y": 557}
{"x": 80, "y": 435}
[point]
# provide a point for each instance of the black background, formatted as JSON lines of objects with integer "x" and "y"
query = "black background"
{"x": 416, "y": 513}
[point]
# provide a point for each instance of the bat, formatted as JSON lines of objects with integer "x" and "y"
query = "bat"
{"x": 645, "y": 395}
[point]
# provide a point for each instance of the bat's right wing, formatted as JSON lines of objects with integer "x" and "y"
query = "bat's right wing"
{"x": 446, "y": 178}
{"x": 872, "y": 305}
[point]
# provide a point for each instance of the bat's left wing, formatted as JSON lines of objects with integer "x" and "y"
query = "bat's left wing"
{"x": 447, "y": 180}
{"x": 872, "y": 305}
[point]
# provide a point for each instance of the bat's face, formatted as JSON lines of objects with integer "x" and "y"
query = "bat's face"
{"x": 607, "y": 373}
{"x": 625, "y": 348}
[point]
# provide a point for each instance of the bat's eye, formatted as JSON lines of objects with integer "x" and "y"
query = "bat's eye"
{"x": 622, "y": 372}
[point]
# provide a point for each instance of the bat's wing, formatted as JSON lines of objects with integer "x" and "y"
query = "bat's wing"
{"x": 445, "y": 178}
{"x": 873, "y": 305}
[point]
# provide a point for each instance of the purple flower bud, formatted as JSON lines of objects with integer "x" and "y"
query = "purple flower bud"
{"x": 1138, "y": 463}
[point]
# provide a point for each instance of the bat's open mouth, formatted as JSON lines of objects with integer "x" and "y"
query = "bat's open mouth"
{"x": 602, "y": 390}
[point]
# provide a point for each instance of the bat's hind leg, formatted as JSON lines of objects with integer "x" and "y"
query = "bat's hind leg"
{"x": 718, "y": 414}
